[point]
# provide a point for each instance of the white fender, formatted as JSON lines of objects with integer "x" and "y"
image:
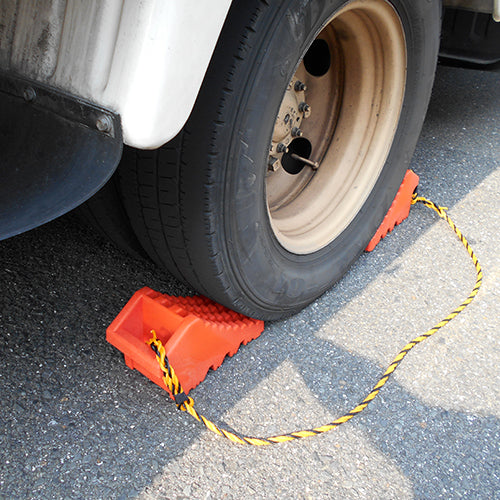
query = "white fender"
{"x": 142, "y": 59}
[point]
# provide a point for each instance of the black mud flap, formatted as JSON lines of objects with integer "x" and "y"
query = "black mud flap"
{"x": 56, "y": 151}
{"x": 473, "y": 37}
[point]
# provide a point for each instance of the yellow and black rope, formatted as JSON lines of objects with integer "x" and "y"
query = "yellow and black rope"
{"x": 186, "y": 403}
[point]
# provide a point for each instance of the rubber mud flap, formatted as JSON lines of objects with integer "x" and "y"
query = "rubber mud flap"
{"x": 56, "y": 151}
{"x": 472, "y": 37}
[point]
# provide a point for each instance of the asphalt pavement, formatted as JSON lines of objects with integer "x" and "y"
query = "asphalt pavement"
{"x": 76, "y": 423}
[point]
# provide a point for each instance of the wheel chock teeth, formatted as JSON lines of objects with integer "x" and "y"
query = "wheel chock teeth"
{"x": 398, "y": 211}
{"x": 197, "y": 334}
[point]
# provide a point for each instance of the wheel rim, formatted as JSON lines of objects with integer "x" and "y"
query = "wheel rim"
{"x": 335, "y": 125}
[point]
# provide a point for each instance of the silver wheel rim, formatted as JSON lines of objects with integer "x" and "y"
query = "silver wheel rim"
{"x": 335, "y": 126}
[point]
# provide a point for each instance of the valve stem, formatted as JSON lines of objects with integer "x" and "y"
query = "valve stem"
{"x": 313, "y": 164}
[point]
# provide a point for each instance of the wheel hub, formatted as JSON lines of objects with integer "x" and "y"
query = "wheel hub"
{"x": 292, "y": 111}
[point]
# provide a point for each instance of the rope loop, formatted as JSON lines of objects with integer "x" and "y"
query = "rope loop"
{"x": 186, "y": 403}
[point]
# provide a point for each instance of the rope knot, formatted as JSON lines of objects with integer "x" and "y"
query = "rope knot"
{"x": 181, "y": 398}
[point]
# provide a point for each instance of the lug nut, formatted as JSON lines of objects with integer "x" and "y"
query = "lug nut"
{"x": 296, "y": 132}
{"x": 273, "y": 164}
{"x": 281, "y": 148}
{"x": 304, "y": 107}
{"x": 299, "y": 86}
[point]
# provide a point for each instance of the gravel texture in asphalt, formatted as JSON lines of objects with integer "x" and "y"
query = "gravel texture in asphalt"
{"x": 76, "y": 423}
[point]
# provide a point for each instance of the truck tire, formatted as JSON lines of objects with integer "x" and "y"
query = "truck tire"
{"x": 105, "y": 213}
{"x": 299, "y": 139}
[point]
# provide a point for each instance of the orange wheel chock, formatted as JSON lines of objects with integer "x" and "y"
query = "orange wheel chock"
{"x": 399, "y": 209}
{"x": 197, "y": 334}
